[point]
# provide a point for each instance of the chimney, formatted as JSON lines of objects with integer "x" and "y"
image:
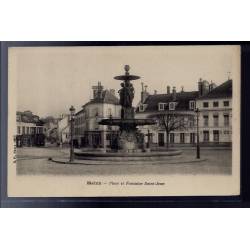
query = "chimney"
{"x": 174, "y": 93}
{"x": 97, "y": 90}
{"x": 212, "y": 85}
{"x": 155, "y": 92}
{"x": 144, "y": 93}
{"x": 200, "y": 87}
{"x": 168, "y": 90}
{"x": 182, "y": 89}
{"x": 203, "y": 87}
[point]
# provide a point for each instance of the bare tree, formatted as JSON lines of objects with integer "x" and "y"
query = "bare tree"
{"x": 172, "y": 120}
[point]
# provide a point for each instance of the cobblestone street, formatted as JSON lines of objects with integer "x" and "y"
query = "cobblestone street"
{"x": 34, "y": 161}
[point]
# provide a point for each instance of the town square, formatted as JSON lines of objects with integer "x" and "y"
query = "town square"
{"x": 176, "y": 132}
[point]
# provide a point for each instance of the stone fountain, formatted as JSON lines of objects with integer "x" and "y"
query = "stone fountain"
{"x": 130, "y": 140}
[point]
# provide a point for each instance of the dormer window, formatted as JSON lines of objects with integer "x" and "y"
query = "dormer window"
{"x": 172, "y": 106}
{"x": 141, "y": 107}
{"x": 161, "y": 106}
{"x": 192, "y": 105}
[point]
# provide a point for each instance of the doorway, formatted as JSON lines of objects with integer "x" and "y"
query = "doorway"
{"x": 161, "y": 139}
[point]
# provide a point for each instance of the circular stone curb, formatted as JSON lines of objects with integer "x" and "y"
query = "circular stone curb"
{"x": 81, "y": 162}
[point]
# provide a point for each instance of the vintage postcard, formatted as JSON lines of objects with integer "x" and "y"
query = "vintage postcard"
{"x": 101, "y": 121}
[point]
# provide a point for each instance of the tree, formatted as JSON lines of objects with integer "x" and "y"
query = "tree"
{"x": 173, "y": 120}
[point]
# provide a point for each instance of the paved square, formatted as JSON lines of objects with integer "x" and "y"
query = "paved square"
{"x": 34, "y": 161}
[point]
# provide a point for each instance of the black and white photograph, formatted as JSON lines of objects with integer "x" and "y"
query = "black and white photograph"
{"x": 124, "y": 120}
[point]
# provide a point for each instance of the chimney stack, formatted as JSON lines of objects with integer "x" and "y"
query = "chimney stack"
{"x": 174, "y": 93}
{"x": 168, "y": 90}
{"x": 203, "y": 87}
{"x": 182, "y": 89}
{"x": 144, "y": 93}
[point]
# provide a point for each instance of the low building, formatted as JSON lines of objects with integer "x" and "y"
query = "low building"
{"x": 88, "y": 132}
{"x": 174, "y": 113}
{"x": 30, "y": 129}
{"x": 215, "y": 116}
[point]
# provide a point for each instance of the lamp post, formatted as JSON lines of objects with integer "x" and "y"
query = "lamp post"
{"x": 198, "y": 134}
{"x": 72, "y": 117}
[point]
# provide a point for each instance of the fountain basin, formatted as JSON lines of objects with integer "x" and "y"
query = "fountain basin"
{"x": 124, "y": 156}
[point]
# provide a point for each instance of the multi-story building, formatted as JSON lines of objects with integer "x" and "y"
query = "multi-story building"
{"x": 88, "y": 132}
{"x": 215, "y": 116}
{"x": 30, "y": 129}
{"x": 215, "y": 113}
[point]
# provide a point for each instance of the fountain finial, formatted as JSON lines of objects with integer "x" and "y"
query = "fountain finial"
{"x": 127, "y": 68}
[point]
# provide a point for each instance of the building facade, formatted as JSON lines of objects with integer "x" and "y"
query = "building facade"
{"x": 30, "y": 129}
{"x": 87, "y": 131}
{"x": 174, "y": 113}
{"x": 51, "y": 125}
{"x": 179, "y": 110}
{"x": 215, "y": 115}
{"x": 63, "y": 130}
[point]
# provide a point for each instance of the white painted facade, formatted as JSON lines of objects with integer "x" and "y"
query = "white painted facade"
{"x": 215, "y": 121}
{"x": 86, "y": 122}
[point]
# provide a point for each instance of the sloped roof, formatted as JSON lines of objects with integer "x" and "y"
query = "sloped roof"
{"x": 106, "y": 97}
{"x": 182, "y": 100}
{"x": 222, "y": 91}
{"x": 28, "y": 117}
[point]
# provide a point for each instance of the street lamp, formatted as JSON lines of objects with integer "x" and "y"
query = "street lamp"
{"x": 198, "y": 135}
{"x": 72, "y": 118}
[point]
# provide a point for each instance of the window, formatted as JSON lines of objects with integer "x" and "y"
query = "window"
{"x": 171, "y": 106}
{"x": 206, "y": 136}
{"x": 216, "y": 104}
{"x": 182, "y": 123}
{"x": 32, "y": 130}
{"x": 226, "y": 103}
{"x": 28, "y": 130}
{"x": 161, "y": 106}
{"x": 141, "y": 108}
{"x": 226, "y": 132}
{"x": 182, "y": 138}
{"x": 192, "y": 105}
{"x": 192, "y": 137}
{"x": 205, "y": 105}
{"x": 216, "y": 135}
{"x": 172, "y": 138}
{"x": 216, "y": 120}
{"x": 205, "y": 118}
{"x": 191, "y": 121}
{"x": 18, "y": 130}
{"x": 23, "y": 130}
{"x": 226, "y": 120}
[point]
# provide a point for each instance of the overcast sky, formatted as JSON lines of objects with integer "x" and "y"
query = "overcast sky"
{"x": 50, "y": 79}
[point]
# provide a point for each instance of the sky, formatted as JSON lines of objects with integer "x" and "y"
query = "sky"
{"x": 51, "y": 79}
